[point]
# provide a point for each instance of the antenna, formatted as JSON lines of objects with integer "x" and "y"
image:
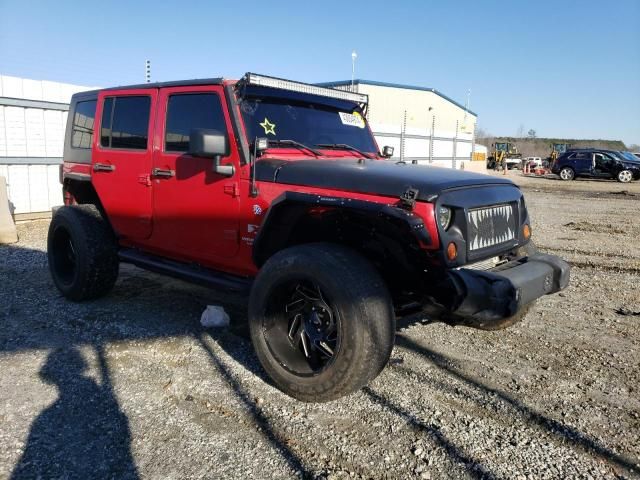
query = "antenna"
{"x": 147, "y": 71}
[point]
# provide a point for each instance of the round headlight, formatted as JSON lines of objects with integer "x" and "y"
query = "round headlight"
{"x": 444, "y": 217}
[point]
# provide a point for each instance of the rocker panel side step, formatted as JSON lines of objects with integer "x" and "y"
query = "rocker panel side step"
{"x": 184, "y": 271}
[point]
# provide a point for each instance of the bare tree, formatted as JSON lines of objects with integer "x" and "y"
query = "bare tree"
{"x": 482, "y": 133}
{"x": 520, "y": 132}
{"x": 531, "y": 133}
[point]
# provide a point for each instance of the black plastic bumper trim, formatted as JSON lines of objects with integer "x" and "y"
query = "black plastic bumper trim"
{"x": 486, "y": 296}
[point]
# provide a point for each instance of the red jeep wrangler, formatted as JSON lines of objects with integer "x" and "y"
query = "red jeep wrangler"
{"x": 277, "y": 188}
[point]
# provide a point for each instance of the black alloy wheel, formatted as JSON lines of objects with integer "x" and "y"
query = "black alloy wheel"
{"x": 307, "y": 324}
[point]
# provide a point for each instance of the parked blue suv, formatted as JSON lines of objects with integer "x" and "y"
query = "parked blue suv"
{"x": 595, "y": 163}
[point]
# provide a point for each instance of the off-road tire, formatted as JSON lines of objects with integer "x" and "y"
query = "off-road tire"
{"x": 360, "y": 297}
{"x": 568, "y": 175}
{"x": 94, "y": 270}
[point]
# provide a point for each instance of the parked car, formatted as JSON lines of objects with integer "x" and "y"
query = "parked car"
{"x": 595, "y": 163}
{"x": 278, "y": 190}
{"x": 637, "y": 154}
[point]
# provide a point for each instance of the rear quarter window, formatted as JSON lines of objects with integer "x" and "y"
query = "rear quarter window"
{"x": 82, "y": 127}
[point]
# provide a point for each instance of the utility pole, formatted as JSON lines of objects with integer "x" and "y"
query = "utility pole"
{"x": 354, "y": 55}
{"x": 466, "y": 106}
{"x": 147, "y": 71}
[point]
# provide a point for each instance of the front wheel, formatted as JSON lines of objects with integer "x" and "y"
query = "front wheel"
{"x": 567, "y": 173}
{"x": 321, "y": 321}
{"x": 625, "y": 176}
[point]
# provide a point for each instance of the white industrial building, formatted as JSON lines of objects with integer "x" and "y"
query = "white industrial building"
{"x": 33, "y": 118}
{"x": 422, "y": 124}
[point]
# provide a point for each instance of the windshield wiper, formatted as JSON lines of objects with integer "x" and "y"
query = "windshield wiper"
{"x": 299, "y": 145}
{"x": 343, "y": 146}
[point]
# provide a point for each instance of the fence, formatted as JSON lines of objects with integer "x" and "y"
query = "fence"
{"x": 433, "y": 146}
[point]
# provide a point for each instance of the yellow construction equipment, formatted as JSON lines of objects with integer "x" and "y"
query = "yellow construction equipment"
{"x": 504, "y": 154}
{"x": 557, "y": 149}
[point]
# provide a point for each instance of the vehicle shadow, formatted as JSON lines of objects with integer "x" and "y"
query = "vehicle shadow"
{"x": 473, "y": 467}
{"x": 564, "y": 433}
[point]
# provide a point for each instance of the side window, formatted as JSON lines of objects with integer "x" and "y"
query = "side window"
{"x": 82, "y": 130}
{"x": 125, "y": 122}
{"x": 188, "y": 111}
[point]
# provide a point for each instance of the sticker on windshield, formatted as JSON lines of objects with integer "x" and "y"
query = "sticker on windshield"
{"x": 352, "y": 119}
{"x": 268, "y": 127}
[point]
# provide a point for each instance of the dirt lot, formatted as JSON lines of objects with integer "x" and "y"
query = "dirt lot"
{"x": 132, "y": 386}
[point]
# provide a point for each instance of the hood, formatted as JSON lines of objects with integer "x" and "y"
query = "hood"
{"x": 381, "y": 177}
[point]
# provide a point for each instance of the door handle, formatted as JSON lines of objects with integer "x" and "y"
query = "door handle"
{"x": 162, "y": 173}
{"x": 102, "y": 167}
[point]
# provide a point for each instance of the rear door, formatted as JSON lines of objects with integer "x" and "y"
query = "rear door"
{"x": 582, "y": 163}
{"x": 121, "y": 160}
{"x": 195, "y": 210}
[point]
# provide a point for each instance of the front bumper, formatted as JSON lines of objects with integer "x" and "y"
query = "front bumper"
{"x": 485, "y": 299}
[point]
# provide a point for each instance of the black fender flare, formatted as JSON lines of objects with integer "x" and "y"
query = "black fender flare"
{"x": 289, "y": 207}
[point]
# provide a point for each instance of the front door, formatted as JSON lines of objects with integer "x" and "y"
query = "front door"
{"x": 195, "y": 210}
{"x": 603, "y": 165}
{"x": 121, "y": 159}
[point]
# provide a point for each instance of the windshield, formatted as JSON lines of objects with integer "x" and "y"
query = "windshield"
{"x": 311, "y": 124}
{"x": 629, "y": 156}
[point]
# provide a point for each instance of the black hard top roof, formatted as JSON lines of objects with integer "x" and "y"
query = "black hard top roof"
{"x": 176, "y": 83}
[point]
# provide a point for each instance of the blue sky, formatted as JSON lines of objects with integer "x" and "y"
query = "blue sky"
{"x": 564, "y": 68}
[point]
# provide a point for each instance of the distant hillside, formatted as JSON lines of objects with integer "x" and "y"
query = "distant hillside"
{"x": 541, "y": 147}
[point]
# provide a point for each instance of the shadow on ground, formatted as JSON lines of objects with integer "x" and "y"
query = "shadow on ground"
{"x": 65, "y": 440}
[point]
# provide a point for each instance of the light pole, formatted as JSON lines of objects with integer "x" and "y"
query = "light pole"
{"x": 354, "y": 55}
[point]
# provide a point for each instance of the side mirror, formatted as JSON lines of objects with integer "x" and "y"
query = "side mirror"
{"x": 211, "y": 144}
{"x": 387, "y": 151}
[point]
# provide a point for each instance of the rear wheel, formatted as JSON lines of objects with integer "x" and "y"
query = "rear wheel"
{"x": 625, "y": 176}
{"x": 321, "y": 321}
{"x": 82, "y": 253}
{"x": 567, "y": 173}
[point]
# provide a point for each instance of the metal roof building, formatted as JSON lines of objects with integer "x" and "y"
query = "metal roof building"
{"x": 423, "y": 124}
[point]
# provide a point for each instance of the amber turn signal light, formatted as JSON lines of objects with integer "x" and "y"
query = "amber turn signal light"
{"x": 526, "y": 231}
{"x": 452, "y": 251}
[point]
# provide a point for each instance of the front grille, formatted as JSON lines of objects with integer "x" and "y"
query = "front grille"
{"x": 490, "y": 226}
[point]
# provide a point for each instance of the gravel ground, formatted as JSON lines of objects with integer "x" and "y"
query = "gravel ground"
{"x": 132, "y": 386}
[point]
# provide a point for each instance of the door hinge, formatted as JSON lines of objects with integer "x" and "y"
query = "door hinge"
{"x": 145, "y": 180}
{"x": 232, "y": 189}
